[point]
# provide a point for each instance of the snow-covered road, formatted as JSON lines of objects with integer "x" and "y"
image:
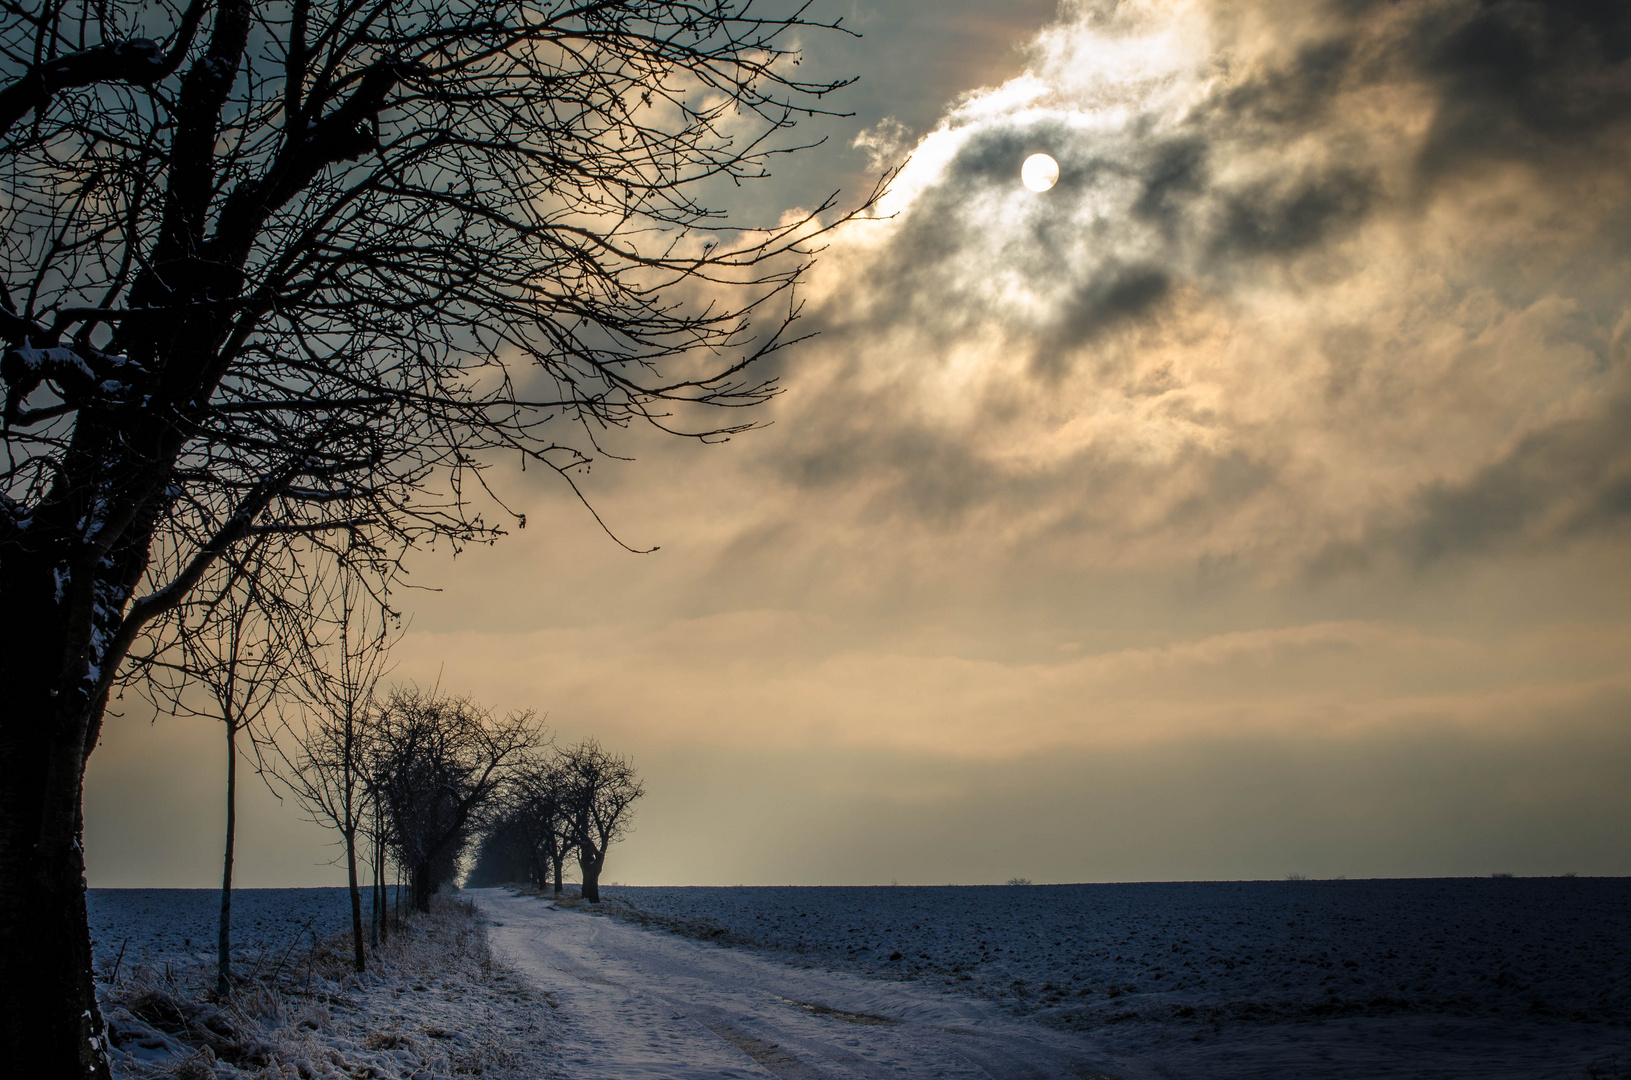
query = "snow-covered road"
{"x": 636, "y": 1003}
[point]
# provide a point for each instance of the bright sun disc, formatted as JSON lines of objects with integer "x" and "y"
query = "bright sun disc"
{"x": 1039, "y": 173}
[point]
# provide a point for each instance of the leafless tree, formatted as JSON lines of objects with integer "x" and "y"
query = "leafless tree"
{"x": 296, "y": 270}
{"x": 438, "y": 764}
{"x": 600, "y": 791}
{"x": 326, "y": 768}
{"x": 531, "y": 837}
{"x": 227, "y": 658}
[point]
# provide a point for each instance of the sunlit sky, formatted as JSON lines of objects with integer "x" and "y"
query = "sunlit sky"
{"x": 1252, "y": 502}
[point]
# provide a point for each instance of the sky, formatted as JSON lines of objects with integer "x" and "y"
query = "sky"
{"x": 1253, "y": 502}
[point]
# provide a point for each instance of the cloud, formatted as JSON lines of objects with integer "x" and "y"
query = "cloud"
{"x": 1310, "y": 272}
{"x": 1525, "y": 81}
{"x": 1561, "y": 482}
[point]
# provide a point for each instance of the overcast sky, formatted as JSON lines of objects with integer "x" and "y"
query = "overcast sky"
{"x": 1255, "y": 501}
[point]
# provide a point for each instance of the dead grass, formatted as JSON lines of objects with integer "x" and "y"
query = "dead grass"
{"x": 432, "y": 1004}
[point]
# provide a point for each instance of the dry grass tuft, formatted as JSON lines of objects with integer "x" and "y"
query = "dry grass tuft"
{"x": 432, "y": 1004}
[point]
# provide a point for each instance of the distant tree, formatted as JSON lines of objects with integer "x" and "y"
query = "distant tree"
{"x": 326, "y": 768}
{"x": 227, "y": 656}
{"x": 600, "y": 790}
{"x": 502, "y": 858}
{"x": 542, "y": 809}
{"x": 438, "y": 763}
{"x": 300, "y": 270}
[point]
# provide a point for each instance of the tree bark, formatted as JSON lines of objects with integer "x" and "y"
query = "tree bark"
{"x": 359, "y": 958}
{"x": 223, "y": 937}
{"x": 559, "y": 859}
{"x": 47, "y": 994}
{"x": 421, "y": 885}
{"x": 591, "y": 877}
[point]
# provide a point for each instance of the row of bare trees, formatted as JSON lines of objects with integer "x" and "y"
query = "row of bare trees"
{"x": 410, "y": 779}
{"x": 576, "y": 801}
{"x": 292, "y": 685}
{"x": 422, "y": 773}
{"x": 405, "y": 778}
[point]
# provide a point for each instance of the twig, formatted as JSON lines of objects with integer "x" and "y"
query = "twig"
{"x": 277, "y": 970}
{"x": 113, "y": 980}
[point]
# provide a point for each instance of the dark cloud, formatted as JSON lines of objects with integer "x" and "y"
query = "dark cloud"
{"x": 1525, "y": 80}
{"x": 1511, "y": 80}
{"x": 1276, "y": 217}
{"x": 1567, "y": 480}
{"x": 913, "y": 470}
{"x": 1564, "y": 480}
{"x": 1173, "y": 179}
{"x": 935, "y": 273}
{"x": 1115, "y": 295}
{"x": 1298, "y": 93}
{"x": 1506, "y": 79}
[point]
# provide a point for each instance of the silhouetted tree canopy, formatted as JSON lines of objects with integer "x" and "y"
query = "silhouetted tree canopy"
{"x": 437, "y": 765}
{"x": 295, "y": 273}
{"x": 598, "y": 791}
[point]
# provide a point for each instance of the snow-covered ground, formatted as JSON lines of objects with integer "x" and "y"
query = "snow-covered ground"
{"x": 1492, "y": 978}
{"x": 1462, "y": 977}
{"x": 177, "y": 926}
{"x": 640, "y": 1005}
{"x": 432, "y": 1004}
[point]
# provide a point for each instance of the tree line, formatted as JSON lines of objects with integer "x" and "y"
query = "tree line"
{"x": 418, "y": 778}
{"x": 573, "y": 803}
{"x": 408, "y": 778}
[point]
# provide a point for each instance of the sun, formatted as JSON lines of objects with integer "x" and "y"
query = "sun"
{"x": 1039, "y": 173}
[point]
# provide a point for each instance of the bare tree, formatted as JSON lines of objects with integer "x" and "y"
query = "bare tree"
{"x": 600, "y": 791}
{"x": 334, "y": 698}
{"x": 438, "y": 763}
{"x": 531, "y": 836}
{"x": 302, "y": 269}
{"x": 545, "y": 815}
{"x": 227, "y": 659}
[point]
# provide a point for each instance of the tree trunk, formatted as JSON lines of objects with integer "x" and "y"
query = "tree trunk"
{"x": 356, "y": 898}
{"x": 559, "y": 859}
{"x": 421, "y": 885}
{"x": 384, "y": 900}
{"x": 376, "y": 897}
{"x": 223, "y": 936}
{"x": 48, "y": 1008}
{"x": 591, "y": 877}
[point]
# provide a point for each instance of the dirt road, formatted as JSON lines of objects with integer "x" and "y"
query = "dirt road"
{"x": 637, "y": 1003}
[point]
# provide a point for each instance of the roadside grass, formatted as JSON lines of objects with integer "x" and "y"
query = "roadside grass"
{"x": 433, "y": 1003}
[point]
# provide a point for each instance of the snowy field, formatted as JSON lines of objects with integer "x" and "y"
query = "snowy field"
{"x": 155, "y": 926}
{"x": 1494, "y": 979}
{"x": 1557, "y": 947}
{"x": 1535, "y": 973}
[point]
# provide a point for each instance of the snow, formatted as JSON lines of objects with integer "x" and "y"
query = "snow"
{"x": 43, "y": 360}
{"x": 177, "y": 926}
{"x": 1493, "y": 976}
{"x": 1331, "y": 980}
{"x": 432, "y": 1004}
{"x": 638, "y": 1005}
{"x": 1471, "y": 944}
